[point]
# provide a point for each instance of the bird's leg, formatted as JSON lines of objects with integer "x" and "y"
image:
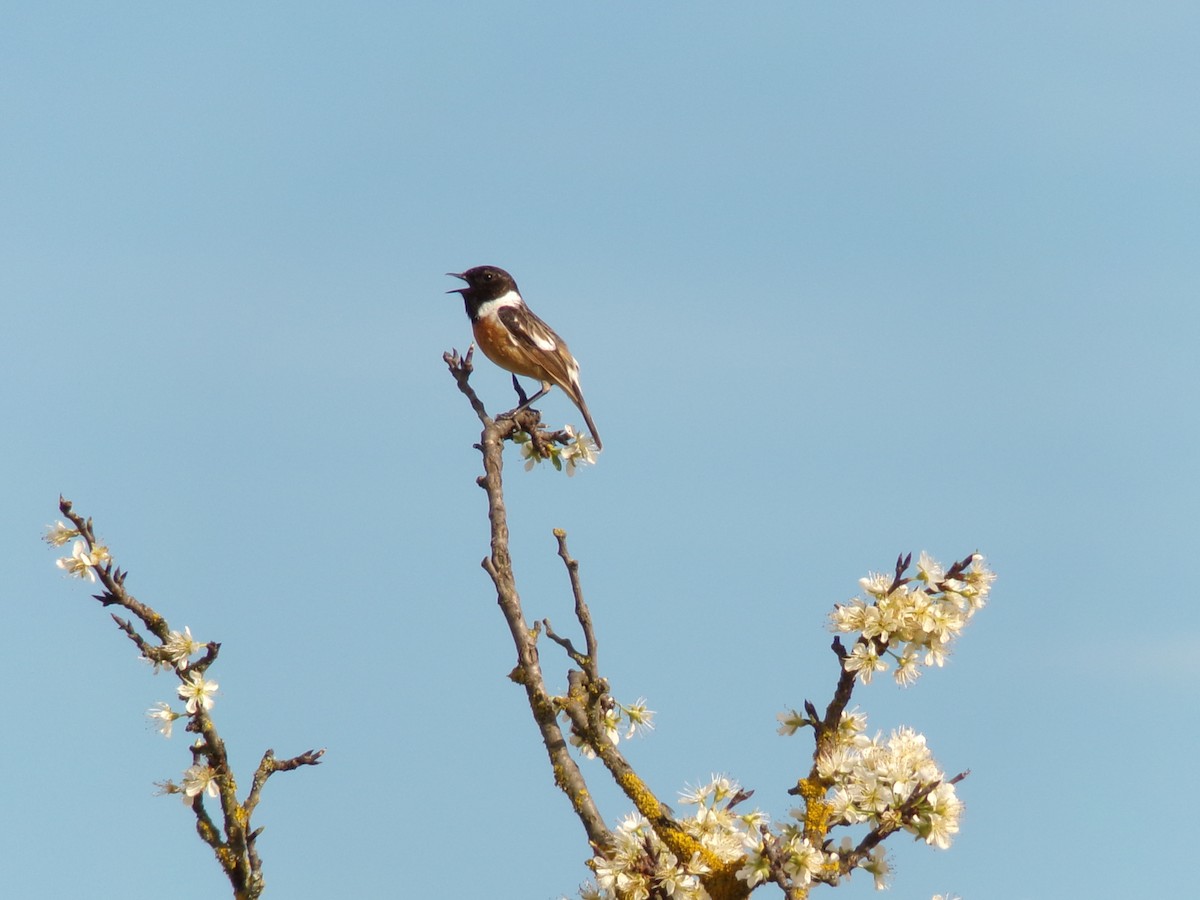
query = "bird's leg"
{"x": 531, "y": 420}
{"x": 520, "y": 390}
{"x": 525, "y": 403}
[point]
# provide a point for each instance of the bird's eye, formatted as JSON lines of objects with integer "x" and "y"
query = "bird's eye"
{"x": 488, "y": 276}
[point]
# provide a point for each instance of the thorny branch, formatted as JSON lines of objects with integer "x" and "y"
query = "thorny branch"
{"x": 234, "y": 844}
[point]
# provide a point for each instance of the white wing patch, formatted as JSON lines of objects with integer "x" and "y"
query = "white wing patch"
{"x": 543, "y": 340}
{"x": 538, "y": 332}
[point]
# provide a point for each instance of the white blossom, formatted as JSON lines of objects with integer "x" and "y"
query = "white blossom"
{"x": 166, "y": 716}
{"x": 82, "y": 561}
{"x": 180, "y": 647}
{"x": 59, "y": 533}
{"x": 199, "y": 779}
{"x": 197, "y": 692}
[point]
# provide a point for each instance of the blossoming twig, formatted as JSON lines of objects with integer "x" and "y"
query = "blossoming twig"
{"x": 563, "y": 448}
{"x": 234, "y": 843}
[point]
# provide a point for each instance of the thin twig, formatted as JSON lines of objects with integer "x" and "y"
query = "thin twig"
{"x": 582, "y": 613}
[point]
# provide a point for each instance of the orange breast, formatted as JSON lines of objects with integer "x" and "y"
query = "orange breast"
{"x": 498, "y": 345}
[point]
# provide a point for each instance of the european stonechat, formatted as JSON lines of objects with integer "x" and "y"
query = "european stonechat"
{"x": 511, "y": 336}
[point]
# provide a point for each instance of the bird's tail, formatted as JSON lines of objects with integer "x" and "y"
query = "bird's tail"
{"x": 577, "y": 397}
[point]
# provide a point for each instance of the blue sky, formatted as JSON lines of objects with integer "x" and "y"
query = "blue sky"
{"x": 844, "y": 281}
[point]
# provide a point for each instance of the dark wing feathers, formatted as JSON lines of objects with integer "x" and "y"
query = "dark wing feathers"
{"x": 554, "y": 357}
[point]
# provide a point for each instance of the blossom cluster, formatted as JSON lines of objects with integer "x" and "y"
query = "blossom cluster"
{"x": 85, "y": 556}
{"x": 580, "y": 450}
{"x": 886, "y": 784}
{"x": 84, "y": 560}
{"x": 890, "y": 784}
{"x": 911, "y": 620}
{"x": 196, "y": 690}
{"x": 802, "y": 861}
{"x": 639, "y": 864}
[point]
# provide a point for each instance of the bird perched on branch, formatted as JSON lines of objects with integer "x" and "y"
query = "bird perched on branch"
{"x": 511, "y": 336}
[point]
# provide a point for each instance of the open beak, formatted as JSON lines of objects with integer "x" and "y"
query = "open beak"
{"x": 456, "y": 290}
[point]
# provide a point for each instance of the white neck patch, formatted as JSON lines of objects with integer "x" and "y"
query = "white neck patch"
{"x": 512, "y": 298}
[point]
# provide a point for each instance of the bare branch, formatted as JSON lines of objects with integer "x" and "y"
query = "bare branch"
{"x": 582, "y": 613}
{"x": 580, "y": 659}
{"x": 270, "y": 765}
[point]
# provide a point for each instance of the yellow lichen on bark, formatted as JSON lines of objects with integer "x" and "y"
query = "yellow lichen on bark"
{"x": 817, "y": 810}
{"x": 721, "y": 881}
{"x": 723, "y": 884}
{"x": 577, "y": 798}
